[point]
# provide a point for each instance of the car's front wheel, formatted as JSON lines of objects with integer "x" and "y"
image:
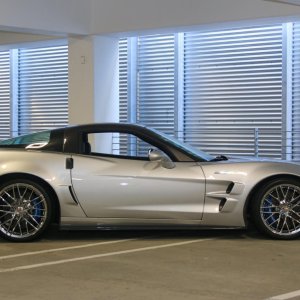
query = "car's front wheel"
{"x": 276, "y": 209}
{"x": 25, "y": 210}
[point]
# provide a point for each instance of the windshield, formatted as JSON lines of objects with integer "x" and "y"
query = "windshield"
{"x": 186, "y": 147}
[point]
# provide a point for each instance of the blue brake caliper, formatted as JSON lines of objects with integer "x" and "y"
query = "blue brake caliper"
{"x": 37, "y": 211}
{"x": 268, "y": 212}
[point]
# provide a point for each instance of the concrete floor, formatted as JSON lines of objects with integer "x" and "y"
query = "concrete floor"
{"x": 150, "y": 265}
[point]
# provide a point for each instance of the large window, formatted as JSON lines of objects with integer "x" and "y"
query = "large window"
{"x": 33, "y": 90}
{"x": 232, "y": 85}
{"x": 5, "y": 108}
{"x": 43, "y": 88}
{"x": 233, "y": 91}
{"x": 293, "y": 107}
{"x": 147, "y": 81}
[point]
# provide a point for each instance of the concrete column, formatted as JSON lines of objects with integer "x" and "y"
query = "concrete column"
{"x": 93, "y": 80}
{"x": 106, "y": 79}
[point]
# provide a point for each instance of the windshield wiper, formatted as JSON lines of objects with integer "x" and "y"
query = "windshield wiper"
{"x": 219, "y": 158}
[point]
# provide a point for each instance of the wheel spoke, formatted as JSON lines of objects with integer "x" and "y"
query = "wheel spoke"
{"x": 18, "y": 222}
{"x": 34, "y": 220}
{"x": 286, "y": 193}
{"x": 294, "y": 192}
{"x": 21, "y": 231}
{"x": 294, "y": 219}
{"x": 271, "y": 216}
{"x": 5, "y": 214}
{"x": 10, "y": 224}
{"x": 27, "y": 221}
{"x": 275, "y": 198}
{"x": 40, "y": 209}
{"x": 278, "y": 195}
{"x": 4, "y": 211}
{"x": 297, "y": 214}
{"x": 287, "y": 224}
{"x": 26, "y": 225}
{"x": 293, "y": 222}
{"x": 8, "y": 220}
{"x": 32, "y": 201}
{"x": 18, "y": 191}
{"x": 25, "y": 190}
{"x": 278, "y": 224}
{"x": 7, "y": 203}
{"x": 295, "y": 199}
{"x": 269, "y": 207}
{"x": 274, "y": 221}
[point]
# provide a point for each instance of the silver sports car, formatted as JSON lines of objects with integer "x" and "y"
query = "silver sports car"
{"x": 129, "y": 176}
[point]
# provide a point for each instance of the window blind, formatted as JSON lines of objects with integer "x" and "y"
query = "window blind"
{"x": 5, "y": 107}
{"x": 296, "y": 92}
{"x": 123, "y": 80}
{"x": 232, "y": 85}
{"x": 156, "y": 82}
{"x": 43, "y": 88}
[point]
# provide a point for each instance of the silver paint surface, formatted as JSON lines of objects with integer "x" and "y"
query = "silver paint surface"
{"x": 126, "y": 192}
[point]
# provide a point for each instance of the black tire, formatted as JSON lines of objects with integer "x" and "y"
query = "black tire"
{"x": 276, "y": 209}
{"x": 25, "y": 210}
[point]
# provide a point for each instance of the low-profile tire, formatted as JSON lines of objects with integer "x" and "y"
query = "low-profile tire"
{"x": 276, "y": 209}
{"x": 25, "y": 210}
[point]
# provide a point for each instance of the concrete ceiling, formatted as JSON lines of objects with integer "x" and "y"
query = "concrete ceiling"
{"x": 56, "y": 18}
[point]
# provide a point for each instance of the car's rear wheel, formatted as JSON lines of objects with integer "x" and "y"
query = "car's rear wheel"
{"x": 25, "y": 210}
{"x": 276, "y": 209}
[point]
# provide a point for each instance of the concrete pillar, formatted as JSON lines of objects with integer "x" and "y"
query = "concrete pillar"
{"x": 93, "y": 80}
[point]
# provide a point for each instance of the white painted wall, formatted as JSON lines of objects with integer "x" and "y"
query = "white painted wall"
{"x": 106, "y": 83}
{"x": 81, "y": 80}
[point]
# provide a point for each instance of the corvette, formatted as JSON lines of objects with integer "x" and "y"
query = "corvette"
{"x": 113, "y": 175}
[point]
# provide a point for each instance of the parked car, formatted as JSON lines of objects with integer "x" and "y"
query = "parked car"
{"x": 129, "y": 176}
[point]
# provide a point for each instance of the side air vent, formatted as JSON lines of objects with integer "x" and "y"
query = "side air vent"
{"x": 229, "y": 188}
{"x": 73, "y": 195}
{"x": 222, "y": 203}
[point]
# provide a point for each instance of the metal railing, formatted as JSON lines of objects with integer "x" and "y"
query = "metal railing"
{"x": 259, "y": 142}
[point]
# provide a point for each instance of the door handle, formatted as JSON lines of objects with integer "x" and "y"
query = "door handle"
{"x": 69, "y": 163}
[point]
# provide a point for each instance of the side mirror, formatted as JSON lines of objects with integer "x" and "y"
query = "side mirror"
{"x": 158, "y": 156}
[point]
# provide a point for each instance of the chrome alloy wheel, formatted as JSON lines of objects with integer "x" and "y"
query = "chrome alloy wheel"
{"x": 23, "y": 210}
{"x": 280, "y": 209}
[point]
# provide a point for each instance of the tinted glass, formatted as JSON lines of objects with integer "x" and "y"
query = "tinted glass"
{"x": 39, "y": 137}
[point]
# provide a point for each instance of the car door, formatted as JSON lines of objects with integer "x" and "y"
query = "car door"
{"x": 109, "y": 187}
{"x": 114, "y": 178}
{"x": 112, "y": 187}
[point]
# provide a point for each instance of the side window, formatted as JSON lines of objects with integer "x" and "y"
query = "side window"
{"x": 117, "y": 144}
